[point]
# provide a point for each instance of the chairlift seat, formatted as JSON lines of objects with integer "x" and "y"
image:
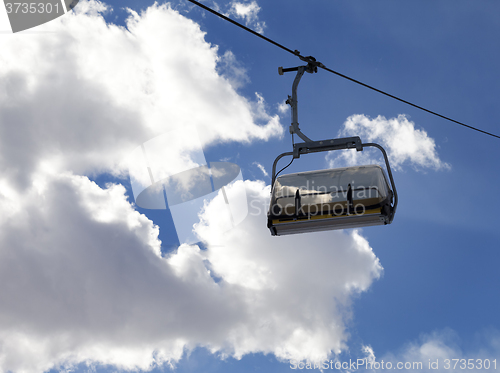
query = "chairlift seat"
{"x": 330, "y": 199}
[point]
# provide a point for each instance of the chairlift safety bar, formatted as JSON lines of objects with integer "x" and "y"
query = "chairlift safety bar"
{"x": 338, "y": 144}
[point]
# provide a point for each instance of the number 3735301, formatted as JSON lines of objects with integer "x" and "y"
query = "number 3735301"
{"x": 31, "y": 8}
{"x": 470, "y": 364}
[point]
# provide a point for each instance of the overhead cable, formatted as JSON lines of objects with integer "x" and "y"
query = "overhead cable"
{"x": 308, "y": 59}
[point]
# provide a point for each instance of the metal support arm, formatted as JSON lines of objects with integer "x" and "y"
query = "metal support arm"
{"x": 292, "y": 101}
{"x": 294, "y": 128}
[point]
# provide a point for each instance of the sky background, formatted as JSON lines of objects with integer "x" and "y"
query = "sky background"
{"x": 92, "y": 282}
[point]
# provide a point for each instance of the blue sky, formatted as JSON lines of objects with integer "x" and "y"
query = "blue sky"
{"x": 92, "y": 284}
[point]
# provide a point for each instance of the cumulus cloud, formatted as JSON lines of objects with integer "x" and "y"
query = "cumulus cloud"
{"x": 297, "y": 291}
{"x": 403, "y": 142}
{"x": 82, "y": 272}
{"x": 248, "y": 11}
{"x": 82, "y": 97}
{"x": 84, "y": 280}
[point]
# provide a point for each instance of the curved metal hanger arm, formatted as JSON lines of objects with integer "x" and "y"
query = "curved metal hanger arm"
{"x": 371, "y": 144}
{"x": 292, "y": 101}
{"x": 294, "y": 128}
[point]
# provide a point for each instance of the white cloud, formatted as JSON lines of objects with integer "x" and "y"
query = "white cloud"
{"x": 403, "y": 142}
{"x": 248, "y": 11}
{"x": 83, "y": 278}
{"x": 435, "y": 352}
{"x": 262, "y": 168}
{"x": 84, "y": 281}
{"x": 233, "y": 70}
{"x": 83, "y": 97}
{"x": 74, "y": 258}
{"x": 297, "y": 291}
{"x": 283, "y": 107}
